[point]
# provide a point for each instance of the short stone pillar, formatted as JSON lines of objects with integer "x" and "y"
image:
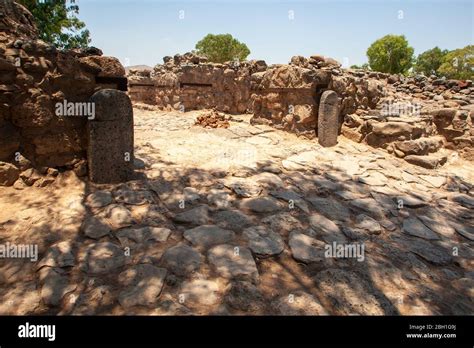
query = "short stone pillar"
{"x": 110, "y": 138}
{"x": 328, "y": 119}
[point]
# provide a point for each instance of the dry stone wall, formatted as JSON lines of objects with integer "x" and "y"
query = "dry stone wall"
{"x": 285, "y": 96}
{"x": 34, "y": 78}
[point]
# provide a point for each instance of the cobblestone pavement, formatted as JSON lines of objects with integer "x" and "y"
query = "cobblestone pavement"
{"x": 244, "y": 220}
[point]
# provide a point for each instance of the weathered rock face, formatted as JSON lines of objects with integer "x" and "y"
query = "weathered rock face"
{"x": 34, "y": 78}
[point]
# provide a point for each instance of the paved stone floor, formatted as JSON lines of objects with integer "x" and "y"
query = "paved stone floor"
{"x": 240, "y": 221}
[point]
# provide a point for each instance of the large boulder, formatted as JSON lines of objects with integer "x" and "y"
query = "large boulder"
{"x": 8, "y": 174}
{"x": 421, "y": 146}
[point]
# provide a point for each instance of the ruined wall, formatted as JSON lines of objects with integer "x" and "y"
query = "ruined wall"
{"x": 188, "y": 82}
{"x": 285, "y": 96}
{"x": 418, "y": 117}
{"x": 34, "y": 76}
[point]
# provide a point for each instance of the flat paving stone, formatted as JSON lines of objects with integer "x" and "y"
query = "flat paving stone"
{"x": 143, "y": 284}
{"x": 181, "y": 260}
{"x": 326, "y": 229}
{"x": 206, "y": 236}
{"x": 94, "y": 228}
{"x": 263, "y": 241}
{"x": 261, "y": 204}
{"x": 196, "y": 216}
{"x": 413, "y": 226}
{"x": 99, "y": 199}
{"x": 291, "y": 197}
{"x": 233, "y": 262}
{"x": 232, "y": 219}
{"x": 200, "y": 292}
{"x": 103, "y": 258}
{"x": 305, "y": 248}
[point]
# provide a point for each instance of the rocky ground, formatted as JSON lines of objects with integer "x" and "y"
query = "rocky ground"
{"x": 235, "y": 221}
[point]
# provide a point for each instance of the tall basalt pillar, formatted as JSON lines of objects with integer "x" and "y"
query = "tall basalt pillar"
{"x": 328, "y": 119}
{"x": 110, "y": 138}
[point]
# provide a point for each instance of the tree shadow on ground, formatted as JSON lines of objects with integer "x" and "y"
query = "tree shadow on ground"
{"x": 400, "y": 274}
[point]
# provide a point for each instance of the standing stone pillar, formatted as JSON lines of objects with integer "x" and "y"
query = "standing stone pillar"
{"x": 110, "y": 136}
{"x": 328, "y": 119}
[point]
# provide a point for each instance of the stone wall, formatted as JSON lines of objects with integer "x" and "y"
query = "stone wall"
{"x": 188, "y": 82}
{"x": 34, "y": 76}
{"x": 285, "y": 96}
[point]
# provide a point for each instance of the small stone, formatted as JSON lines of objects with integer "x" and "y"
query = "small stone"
{"x": 181, "y": 260}
{"x": 365, "y": 222}
{"x": 261, "y": 204}
{"x": 206, "y": 236}
{"x": 133, "y": 197}
{"x": 243, "y": 187}
{"x": 268, "y": 179}
{"x": 282, "y": 222}
{"x": 196, "y": 216}
{"x": 139, "y": 163}
{"x": 219, "y": 198}
{"x": 233, "y": 262}
{"x": 263, "y": 241}
{"x": 158, "y": 234}
{"x": 143, "y": 234}
{"x": 429, "y": 162}
{"x": 374, "y": 179}
{"x": 191, "y": 194}
{"x": 94, "y": 228}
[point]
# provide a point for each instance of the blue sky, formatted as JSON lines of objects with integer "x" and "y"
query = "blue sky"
{"x": 143, "y": 31}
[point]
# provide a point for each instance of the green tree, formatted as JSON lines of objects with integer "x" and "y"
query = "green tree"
{"x": 458, "y": 64}
{"x": 364, "y": 66}
{"x": 58, "y": 23}
{"x": 391, "y": 54}
{"x": 429, "y": 61}
{"x": 222, "y": 48}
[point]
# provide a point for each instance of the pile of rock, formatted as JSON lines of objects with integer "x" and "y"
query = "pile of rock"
{"x": 213, "y": 119}
{"x": 34, "y": 77}
{"x": 416, "y": 118}
{"x": 451, "y": 93}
